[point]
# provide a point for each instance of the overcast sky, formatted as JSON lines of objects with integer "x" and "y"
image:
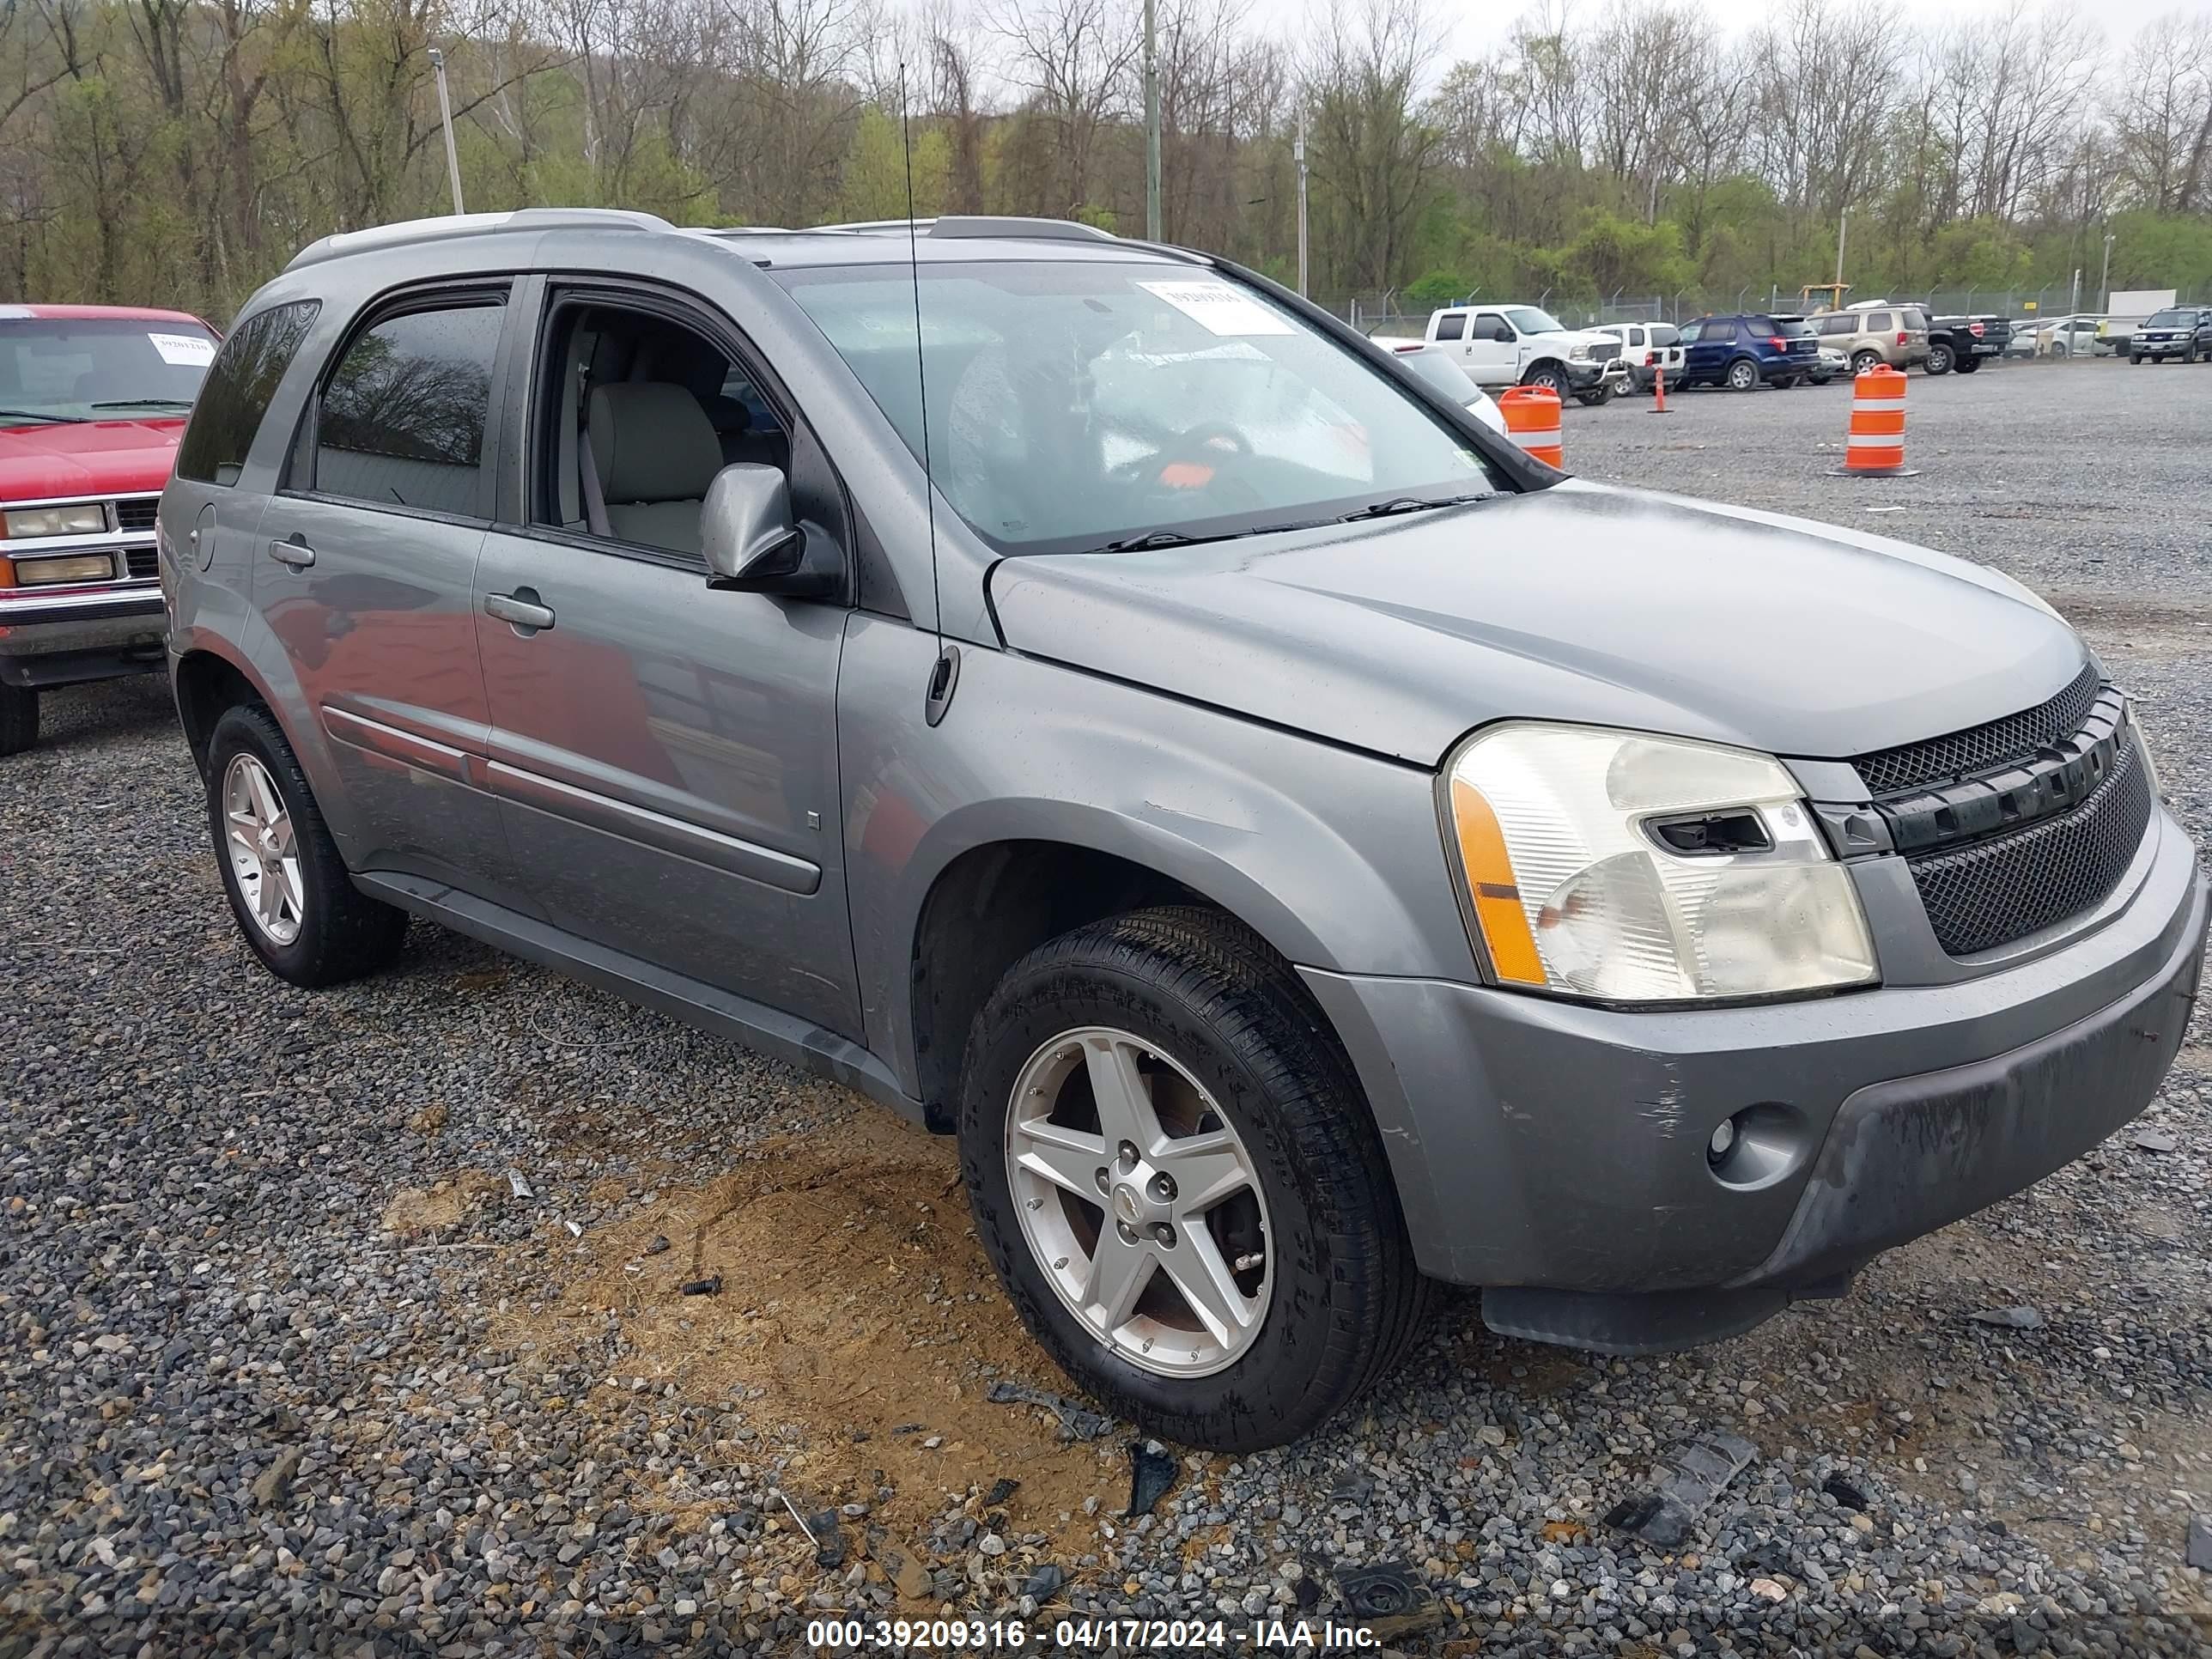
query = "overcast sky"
{"x": 1463, "y": 22}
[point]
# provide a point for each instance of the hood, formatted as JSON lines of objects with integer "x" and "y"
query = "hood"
{"x": 1581, "y": 602}
{"x": 88, "y": 458}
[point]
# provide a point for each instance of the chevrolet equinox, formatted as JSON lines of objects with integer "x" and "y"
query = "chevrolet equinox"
{"x": 1086, "y": 699}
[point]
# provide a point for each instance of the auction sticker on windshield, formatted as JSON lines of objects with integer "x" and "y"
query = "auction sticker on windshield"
{"x": 188, "y": 348}
{"x": 1219, "y": 308}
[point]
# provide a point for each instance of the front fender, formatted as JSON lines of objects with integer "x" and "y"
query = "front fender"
{"x": 1331, "y": 855}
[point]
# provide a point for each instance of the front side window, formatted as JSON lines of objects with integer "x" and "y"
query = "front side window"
{"x": 238, "y": 387}
{"x": 402, "y": 422}
{"x": 1073, "y": 405}
{"x": 1693, "y": 333}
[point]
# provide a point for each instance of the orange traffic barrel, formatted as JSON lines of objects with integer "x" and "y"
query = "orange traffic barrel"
{"x": 1877, "y": 442}
{"x": 1532, "y": 421}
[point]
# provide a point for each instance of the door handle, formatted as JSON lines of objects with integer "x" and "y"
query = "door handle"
{"x": 295, "y": 552}
{"x": 520, "y": 607}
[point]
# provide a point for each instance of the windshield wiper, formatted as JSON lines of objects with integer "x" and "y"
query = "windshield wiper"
{"x": 146, "y": 403}
{"x": 1413, "y": 504}
{"x": 1152, "y": 539}
{"x": 42, "y": 415}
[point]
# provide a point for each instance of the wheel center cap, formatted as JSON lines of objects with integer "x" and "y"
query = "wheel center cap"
{"x": 1127, "y": 1206}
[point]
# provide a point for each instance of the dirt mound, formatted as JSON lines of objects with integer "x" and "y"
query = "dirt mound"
{"x": 855, "y": 1306}
{"x": 415, "y": 1211}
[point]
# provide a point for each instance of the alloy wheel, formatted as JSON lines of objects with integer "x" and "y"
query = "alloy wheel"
{"x": 264, "y": 854}
{"x": 1140, "y": 1202}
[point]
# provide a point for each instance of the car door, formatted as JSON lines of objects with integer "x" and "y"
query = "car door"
{"x": 1451, "y": 336}
{"x": 1704, "y": 344}
{"x": 366, "y": 570}
{"x": 1494, "y": 350}
{"x": 666, "y": 754}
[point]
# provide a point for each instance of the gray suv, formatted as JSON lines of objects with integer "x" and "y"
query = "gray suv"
{"x": 1085, "y": 698}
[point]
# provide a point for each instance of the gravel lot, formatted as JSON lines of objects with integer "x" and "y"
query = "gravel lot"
{"x": 290, "y": 1363}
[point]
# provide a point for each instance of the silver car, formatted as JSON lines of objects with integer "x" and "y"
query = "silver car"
{"x": 1085, "y": 699}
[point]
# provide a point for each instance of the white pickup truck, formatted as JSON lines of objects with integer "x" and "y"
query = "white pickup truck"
{"x": 1524, "y": 345}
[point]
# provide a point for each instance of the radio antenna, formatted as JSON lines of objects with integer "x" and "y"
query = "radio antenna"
{"x": 942, "y": 675}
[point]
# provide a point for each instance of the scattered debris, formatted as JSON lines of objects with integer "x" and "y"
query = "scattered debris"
{"x": 1044, "y": 1583}
{"x": 428, "y": 1121}
{"x": 710, "y": 1285}
{"x": 1665, "y": 1513}
{"x": 2018, "y": 1319}
{"x": 907, "y": 1576}
{"x": 575, "y": 1229}
{"x": 1307, "y": 1590}
{"x": 1389, "y": 1599}
{"x": 1352, "y": 1486}
{"x": 1075, "y": 1422}
{"x": 1151, "y": 1473}
{"x": 2198, "y": 1551}
{"x": 660, "y": 1244}
{"x": 2157, "y": 1140}
{"x": 1767, "y": 1589}
{"x": 829, "y": 1540}
{"x": 274, "y": 1484}
{"x": 517, "y": 1185}
{"x": 1001, "y": 1490}
{"x": 1846, "y": 1495}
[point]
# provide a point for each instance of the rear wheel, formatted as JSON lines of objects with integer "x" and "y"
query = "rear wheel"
{"x": 1180, "y": 1185}
{"x": 295, "y": 904}
{"x": 19, "y": 717}
{"x": 1939, "y": 360}
{"x": 1743, "y": 375}
{"x": 1864, "y": 362}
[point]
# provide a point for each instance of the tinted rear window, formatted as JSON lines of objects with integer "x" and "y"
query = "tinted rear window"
{"x": 1666, "y": 334}
{"x": 238, "y": 387}
{"x": 1914, "y": 319}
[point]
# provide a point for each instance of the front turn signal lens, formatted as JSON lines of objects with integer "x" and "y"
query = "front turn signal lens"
{"x": 21, "y": 571}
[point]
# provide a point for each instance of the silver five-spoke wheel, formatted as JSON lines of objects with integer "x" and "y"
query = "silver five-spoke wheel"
{"x": 1139, "y": 1200}
{"x": 264, "y": 855}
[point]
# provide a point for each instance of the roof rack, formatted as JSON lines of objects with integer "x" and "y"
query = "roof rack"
{"x": 439, "y": 227}
{"x": 973, "y": 226}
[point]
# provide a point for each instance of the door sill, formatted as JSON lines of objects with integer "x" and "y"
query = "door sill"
{"x": 783, "y": 1037}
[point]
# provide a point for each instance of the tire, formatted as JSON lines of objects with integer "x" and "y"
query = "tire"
{"x": 1223, "y": 1026}
{"x": 1863, "y": 360}
{"x": 1742, "y": 375}
{"x": 1941, "y": 360}
{"x": 1787, "y": 383}
{"x": 1967, "y": 365}
{"x": 1550, "y": 375}
{"x": 2135, "y": 359}
{"x": 336, "y": 932}
{"x": 1597, "y": 398}
{"x": 19, "y": 717}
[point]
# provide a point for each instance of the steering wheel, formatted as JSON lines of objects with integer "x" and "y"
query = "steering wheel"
{"x": 1192, "y": 460}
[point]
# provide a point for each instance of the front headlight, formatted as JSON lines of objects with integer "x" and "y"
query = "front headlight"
{"x": 1579, "y": 354}
{"x": 1635, "y": 868}
{"x": 86, "y": 519}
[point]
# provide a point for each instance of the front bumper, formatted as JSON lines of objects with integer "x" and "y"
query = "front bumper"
{"x": 2163, "y": 348}
{"x": 60, "y": 639}
{"x": 1557, "y": 1151}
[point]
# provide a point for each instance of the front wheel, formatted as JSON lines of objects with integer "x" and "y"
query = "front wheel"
{"x": 1177, "y": 1176}
{"x": 1939, "y": 360}
{"x": 1549, "y": 376}
{"x": 1597, "y": 396}
{"x": 19, "y": 717}
{"x": 297, "y": 908}
{"x": 1967, "y": 365}
{"x": 2135, "y": 358}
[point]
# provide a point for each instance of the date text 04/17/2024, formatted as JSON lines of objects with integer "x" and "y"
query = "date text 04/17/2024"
{"x": 1079, "y": 1635}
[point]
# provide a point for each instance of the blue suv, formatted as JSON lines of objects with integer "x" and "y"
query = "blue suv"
{"x": 1739, "y": 352}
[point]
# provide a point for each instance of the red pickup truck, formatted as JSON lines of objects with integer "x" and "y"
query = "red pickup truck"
{"x": 93, "y": 401}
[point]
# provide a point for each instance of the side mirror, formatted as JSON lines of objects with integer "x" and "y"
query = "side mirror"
{"x": 751, "y": 543}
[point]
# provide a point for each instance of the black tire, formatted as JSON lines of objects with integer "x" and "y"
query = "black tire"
{"x": 19, "y": 717}
{"x": 1866, "y": 361}
{"x": 2136, "y": 359}
{"x": 1967, "y": 365}
{"x": 1597, "y": 398}
{"x": 1549, "y": 375}
{"x": 1787, "y": 383}
{"x": 1742, "y": 376}
{"x": 344, "y": 933}
{"x": 1346, "y": 1297}
{"x": 1941, "y": 361}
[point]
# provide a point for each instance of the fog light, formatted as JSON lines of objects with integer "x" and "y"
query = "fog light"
{"x": 74, "y": 567}
{"x": 1723, "y": 1137}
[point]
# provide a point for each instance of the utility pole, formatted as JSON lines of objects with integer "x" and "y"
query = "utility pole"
{"x": 446, "y": 115}
{"x": 1298, "y": 153}
{"x": 1843, "y": 228}
{"x": 2104, "y": 281}
{"x": 1152, "y": 122}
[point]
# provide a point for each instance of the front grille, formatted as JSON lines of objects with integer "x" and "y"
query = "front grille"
{"x": 1980, "y": 748}
{"x": 136, "y": 515}
{"x": 1994, "y": 891}
{"x": 1604, "y": 354}
{"x": 142, "y": 563}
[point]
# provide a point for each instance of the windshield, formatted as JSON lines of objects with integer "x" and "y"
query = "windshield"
{"x": 1075, "y": 405}
{"x": 1442, "y": 373}
{"x": 2173, "y": 319}
{"x": 64, "y": 368}
{"x": 1529, "y": 320}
